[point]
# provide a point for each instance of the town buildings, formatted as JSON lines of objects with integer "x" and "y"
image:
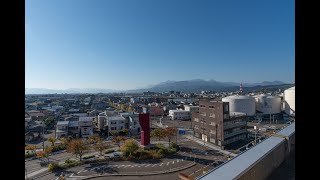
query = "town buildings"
{"x": 216, "y": 125}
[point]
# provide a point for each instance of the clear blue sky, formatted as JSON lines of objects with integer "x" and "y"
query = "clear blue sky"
{"x": 127, "y": 44}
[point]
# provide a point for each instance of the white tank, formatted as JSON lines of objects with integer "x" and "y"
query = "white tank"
{"x": 289, "y": 101}
{"x": 240, "y": 103}
{"x": 268, "y": 104}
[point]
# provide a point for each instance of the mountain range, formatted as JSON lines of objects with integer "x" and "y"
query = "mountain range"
{"x": 194, "y": 85}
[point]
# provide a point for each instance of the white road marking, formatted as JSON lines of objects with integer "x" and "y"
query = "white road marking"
{"x": 154, "y": 165}
{"x": 168, "y": 163}
{"x": 148, "y": 165}
{"x": 161, "y": 164}
{"x": 80, "y": 171}
{"x": 57, "y": 178}
{"x": 172, "y": 162}
{"x": 71, "y": 174}
{"x": 178, "y": 160}
{"x": 85, "y": 170}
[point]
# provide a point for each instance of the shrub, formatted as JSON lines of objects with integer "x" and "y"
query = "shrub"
{"x": 59, "y": 147}
{"x": 53, "y": 167}
{"x": 172, "y": 150}
{"x": 174, "y": 145}
{"x": 31, "y": 147}
{"x": 155, "y": 154}
{"x": 88, "y": 157}
{"x": 28, "y": 155}
{"x": 109, "y": 151}
{"x": 68, "y": 161}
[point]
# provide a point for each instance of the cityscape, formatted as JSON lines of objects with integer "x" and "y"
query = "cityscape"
{"x": 102, "y": 102}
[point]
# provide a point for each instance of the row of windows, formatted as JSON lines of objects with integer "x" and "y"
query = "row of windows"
{"x": 203, "y": 106}
{"x": 196, "y": 119}
{"x": 233, "y": 122}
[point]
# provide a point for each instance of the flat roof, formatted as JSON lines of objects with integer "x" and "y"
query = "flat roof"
{"x": 73, "y": 123}
{"x": 85, "y": 118}
{"x": 62, "y": 122}
{"x": 116, "y": 118}
{"x": 237, "y": 166}
{"x": 178, "y": 110}
{"x": 289, "y": 130}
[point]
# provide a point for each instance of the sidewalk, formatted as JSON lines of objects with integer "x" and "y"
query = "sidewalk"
{"x": 210, "y": 146}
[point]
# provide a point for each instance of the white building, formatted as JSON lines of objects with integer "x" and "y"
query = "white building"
{"x": 132, "y": 120}
{"x": 179, "y": 115}
{"x": 86, "y": 126}
{"x": 191, "y": 109}
{"x": 62, "y": 129}
{"x": 116, "y": 123}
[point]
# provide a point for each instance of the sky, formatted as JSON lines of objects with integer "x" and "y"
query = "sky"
{"x": 129, "y": 44}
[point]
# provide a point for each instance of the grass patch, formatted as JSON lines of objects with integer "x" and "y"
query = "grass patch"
{"x": 88, "y": 157}
{"x": 109, "y": 151}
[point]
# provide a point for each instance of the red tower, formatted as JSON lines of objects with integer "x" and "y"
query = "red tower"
{"x": 145, "y": 129}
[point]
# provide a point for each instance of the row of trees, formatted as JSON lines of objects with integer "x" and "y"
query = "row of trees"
{"x": 168, "y": 132}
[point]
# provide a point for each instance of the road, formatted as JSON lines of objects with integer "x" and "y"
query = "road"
{"x": 40, "y": 163}
{"x": 190, "y": 152}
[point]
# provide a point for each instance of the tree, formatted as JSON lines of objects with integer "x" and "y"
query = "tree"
{"x": 47, "y": 151}
{"x": 100, "y": 147}
{"x": 77, "y": 147}
{"x": 94, "y": 139}
{"x": 118, "y": 139}
{"x": 158, "y": 133}
{"x": 52, "y": 140}
{"x": 129, "y": 147}
{"x": 169, "y": 132}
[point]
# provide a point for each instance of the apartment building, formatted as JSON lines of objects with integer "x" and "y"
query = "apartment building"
{"x": 116, "y": 123}
{"x": 86, "y": 126}
{"x": 179, "y": 115}
{"x": 132, "y": 122}
{"x": 215, "y": 124}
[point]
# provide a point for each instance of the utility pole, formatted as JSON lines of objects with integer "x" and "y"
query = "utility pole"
{"x": 43, "y": 134}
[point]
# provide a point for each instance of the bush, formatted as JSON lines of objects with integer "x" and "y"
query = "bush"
{"x": 53, "y": 167}
{"x": 155, "y": 154}
{"x": 59, "y": 147}
{"x": 109, "y": 151}
{"x": 174, "y": 145}
{"x": 29, "y": 155}
{"x": 88, "y": 157}
{"x": 71, "y": 164}
{"x": 172, "y": 150}
{"x": 68, "y": 161}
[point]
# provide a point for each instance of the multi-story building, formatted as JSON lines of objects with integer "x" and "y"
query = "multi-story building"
{"x": 62, "y": 129}
{"x": 85, "y": 126}
{"x": 216, "y": 125}
{"x": 116, "y": 123}
{"x": 132, "y": 122}
{"x": 179, "y": 114}
{"x": 191, "y": 109}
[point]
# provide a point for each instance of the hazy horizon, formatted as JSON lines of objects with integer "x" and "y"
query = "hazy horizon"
{"x": 123, "y": 44}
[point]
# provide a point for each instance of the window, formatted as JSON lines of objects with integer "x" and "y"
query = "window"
{"x": 213, "y": 140}
{"x": 219, "y": 142}
{"x": 113, "y": 128}
{"x": 203, "y": 114}
{"x": 196, "y": 126}
{"x": 212, "y": 123}
{"x": 203, "y": 106}
{"x": 212, "y": 115}
{"x": 211, "y": 107}
{"x": 226, "y": 108}
{"x": 212, "y": 132}
{"x": 196, "y": 119}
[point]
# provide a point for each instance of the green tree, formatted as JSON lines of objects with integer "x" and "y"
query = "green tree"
{"x": 129, "y": 147}
{"x": 77, "y": 147}
{"x": 118, "y": 139}
{"x": 52, "y": 140}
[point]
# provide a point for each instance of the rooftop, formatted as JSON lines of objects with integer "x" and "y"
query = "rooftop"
{"x": 116, "y": 118}
{"x": 85, "y": 118}
{"x": 62, "y": 122}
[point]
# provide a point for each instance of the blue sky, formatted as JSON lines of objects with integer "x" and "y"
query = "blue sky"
{"x": 128, "y": 44}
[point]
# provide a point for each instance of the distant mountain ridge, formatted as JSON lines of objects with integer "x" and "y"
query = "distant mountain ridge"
{"x": 194, "y": 85}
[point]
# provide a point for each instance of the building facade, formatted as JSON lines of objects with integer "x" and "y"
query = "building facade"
{"x": 215, "y": 124}
{"x": 179, "y": 115}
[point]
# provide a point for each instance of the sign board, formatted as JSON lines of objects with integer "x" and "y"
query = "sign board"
{"x": 182, "y": 131}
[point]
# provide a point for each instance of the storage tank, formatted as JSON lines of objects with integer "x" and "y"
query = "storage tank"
{"x": 268, "y": 104}
{"x": 289, "y": 101}
{"x": 240, "y": 103}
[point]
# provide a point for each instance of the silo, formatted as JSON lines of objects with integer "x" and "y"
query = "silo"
{"x": 289, "y": 100}
{"x": 240, "y": 103}
{"x": 268, "y": 104}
